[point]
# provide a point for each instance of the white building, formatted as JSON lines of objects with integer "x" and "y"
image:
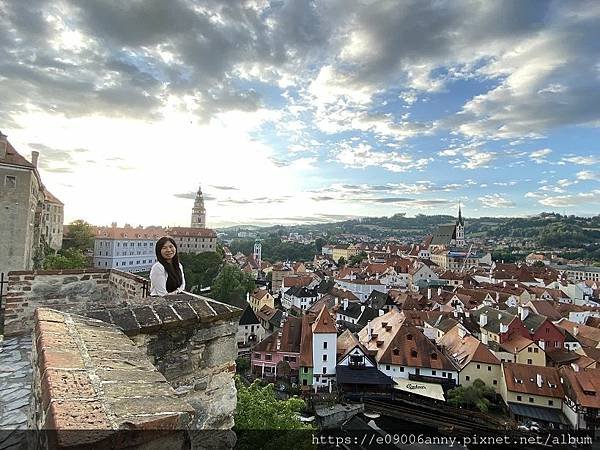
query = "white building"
{"x": 324, "y": 349}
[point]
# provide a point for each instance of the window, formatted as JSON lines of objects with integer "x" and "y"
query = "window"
{"x": 494, "y": 382}
{"x": 478, "y": 366}
{"x": 489, "y": 368}
{"x": 414, "y": 353}
{"x": 268, "y": 357}
{"x": 535, "y": 350}
{"x": 387, "y": 367}
{"x": 434, "y": 356}
{"x": 443, "y": 374}
{"x": 396, "y": 352}
{"x": 468, "y": 378}
{"x": 550, "y": 402}
{"x": 324, "y": 370}
{"x": 409, "y": 337}
{"x": 519, "y": 398}
{"x": 257, "y": 355}
{"x": 433, "y": 372}
{"x": 531, "y": 400}
{"x": 325, "y": 345}
{"x": 305, "y": 369}
{"x": 324, "y": 357}
{"x": 401, "y": 369}
{"x": 529, "y": 349}
{"x": 10, "y": 181}
{"x": 529, "y": 361}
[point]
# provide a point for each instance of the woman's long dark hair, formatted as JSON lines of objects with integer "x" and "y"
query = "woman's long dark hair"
{"x": 174, "y": 275}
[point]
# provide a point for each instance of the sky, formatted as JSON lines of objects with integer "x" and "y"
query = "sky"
{"x": 305, "y": 111}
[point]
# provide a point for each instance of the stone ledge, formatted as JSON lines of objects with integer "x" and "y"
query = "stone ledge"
{"x": 159, "y": 313}
{"x": 90, "y": 376}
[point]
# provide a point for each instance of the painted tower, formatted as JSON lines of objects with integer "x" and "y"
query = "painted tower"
{"x": 199, "y": 212}
{"x": 258, "y": 253}
{"x": 324, "y": 343}
{"x": 460, "y": 228}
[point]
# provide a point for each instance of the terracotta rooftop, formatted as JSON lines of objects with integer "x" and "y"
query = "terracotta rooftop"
{"x": 516, "y": 342}
{"x": 523, "y": 378}
{"x": 324, "y": 323}
{"x": 466, "y": 349}
{"x": 306, "y": 356}
{"x": 583, "y": 387}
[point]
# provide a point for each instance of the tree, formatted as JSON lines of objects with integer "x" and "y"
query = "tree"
{"x": 538, "y": 264}
{"x": 341, "y": 261}
{"x": 66, "y": 259}
{"x": 355, "y": 260}
{"x": 259, "y": 412}
{"x": 80, "y": 236}
{"x": 232, "y": 285}
{"x": 319, "y": 243}
{"x": 201, "y": 269}
{"x": 476, "y": 395}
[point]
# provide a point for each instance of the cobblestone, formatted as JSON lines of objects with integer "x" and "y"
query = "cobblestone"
{"x": 15, "y": 387}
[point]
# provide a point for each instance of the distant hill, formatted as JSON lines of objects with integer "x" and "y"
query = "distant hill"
{"x": 547, "y": 230}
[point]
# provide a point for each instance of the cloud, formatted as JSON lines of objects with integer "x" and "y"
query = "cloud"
{"x": 476, "y": 159}
{"x": 363, "y": 155}
{"x": 496, "y": 201}
{"x": 585, "y": 175}
{"x": 582, "y": 198}
{"x": 582, "y": 160}
{"x": 225, "y": 188}
{"x": 539, "y": 156}
{"x": 186, "y": 195}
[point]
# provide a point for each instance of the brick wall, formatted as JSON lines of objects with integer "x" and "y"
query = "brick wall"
{"x": 90, "y": 382}
{"x": 65, "y": 290}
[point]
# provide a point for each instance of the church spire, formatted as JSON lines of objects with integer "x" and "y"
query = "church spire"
{"x": 460, "y": 220}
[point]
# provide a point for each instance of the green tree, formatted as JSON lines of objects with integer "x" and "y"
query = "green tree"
{"x": 259, "y": 413}
{"x": 476, "y": 395}
{"x": 202, "y": 269}
{"x": 232, "y": 285}
{"x": 341, "y": 262}
{"x": 357, "y": 259}
{"x": 66, "y": 259}
{"x": 80, "y": 236}
{"x": 319, "y": 243}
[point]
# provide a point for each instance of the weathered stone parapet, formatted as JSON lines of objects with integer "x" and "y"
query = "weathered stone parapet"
{"x": 89, "y": 376}
{"x": 65, "y": 290}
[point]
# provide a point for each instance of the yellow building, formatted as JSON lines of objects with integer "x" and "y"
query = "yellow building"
{"x": 473, "y": 358}
{"x": 345, "y": 251}
{"x": 524, "y": 351}
{"x": 259, "y": 298}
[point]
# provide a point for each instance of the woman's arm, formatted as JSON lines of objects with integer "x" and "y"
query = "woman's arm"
{"x": 158, "y": 281}
{"x": 182, "y": 287}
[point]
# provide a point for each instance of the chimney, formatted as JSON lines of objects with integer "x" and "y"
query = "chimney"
{"x": 538, "y": 380}
{"x": 575, "y": 331}
{"x": 439, "y": 291}
{"x": 542, "y": 345}
{"x": 483, "y": 320}
{"x": 381, "y": 313}
{"x": 455, "y": 313}
{"x": 461, "y": 332}
{"x": 504, "y": 284}
{"x": 3, "y": 145}
{"x": 428, "y": 293}
{"x": 345, "y": 304}
{"x": 484, "y": 339}
{"x": 503, "y": 328}
{"x": 34, "y": 158}
{"x": 523, "y": 312}
{"x": 369, "y": 331}
{"x": 575, "y": 368}
{"x": 497, "y": 297}
{"x": 362, "y": 308}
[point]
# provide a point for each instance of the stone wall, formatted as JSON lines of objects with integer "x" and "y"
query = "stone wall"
{"x": 191, "y": 340}
{"x": 65, "y": 290}
{"x": 90, "y": 382}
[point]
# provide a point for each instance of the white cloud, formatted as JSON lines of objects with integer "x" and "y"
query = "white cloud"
{"x": 582, "y": 160}
{"x": 585, "y": 175}
{"x": 582, "y": 198}
{"x": 496, "y": 201}
{"x": 363, "y": 155}
{"x": 539, "y": 156}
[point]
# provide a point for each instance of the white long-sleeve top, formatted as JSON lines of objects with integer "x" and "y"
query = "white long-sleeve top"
{"x": 158, "y": 280}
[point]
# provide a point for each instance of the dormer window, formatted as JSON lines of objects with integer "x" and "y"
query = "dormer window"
{"x": 409, "y": 337}
{"x": 396, "y": 352}
{"x": 434, "y": 356}
{"x": 414, "y": 353}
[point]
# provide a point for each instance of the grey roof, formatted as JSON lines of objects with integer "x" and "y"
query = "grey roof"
{"x": 532, "y": 322}
{"x": 444, "y": 235}
{"x": 367, "y": 375}
{"x": 378, "y": 300}
{"x": 494, "y": 318}
{"x": 248, "y": 317}
{"x": 368, "y": 314}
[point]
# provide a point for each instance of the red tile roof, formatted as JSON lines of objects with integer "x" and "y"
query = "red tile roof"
{"x": 523, "y": 378}
{"x": 324, "y": 323}
{"x": 583, "y": 387}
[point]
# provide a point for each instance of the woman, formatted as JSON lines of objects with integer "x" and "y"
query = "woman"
{"x": 166, "y": 275}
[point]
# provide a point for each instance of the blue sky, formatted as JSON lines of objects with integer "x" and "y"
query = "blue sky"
{"x": 305, "y": 111}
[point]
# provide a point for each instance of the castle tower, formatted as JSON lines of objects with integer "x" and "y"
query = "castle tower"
{"x": 199, "y": 212}
{"x": 258, "y": 253}
{"x": 460, "y": 228}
